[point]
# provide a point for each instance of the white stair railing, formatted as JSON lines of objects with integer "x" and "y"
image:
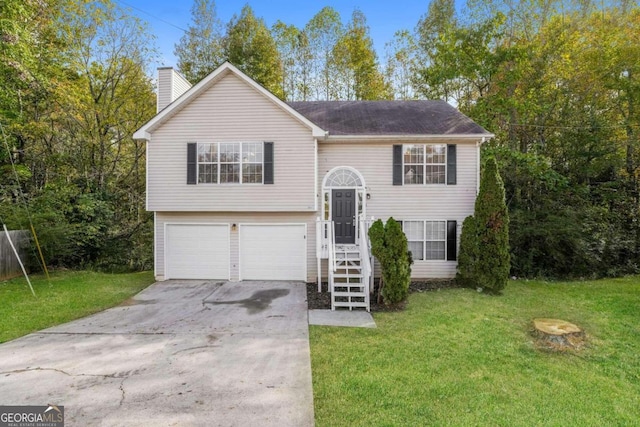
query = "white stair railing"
{"x": 323, "y": 240}
{"x": 325, "y": 247}
{"x": 351, "y": 273}
{"x": 365, "y": 262}
{"x": 368, "y": 223}
{"x": 332, "y": 247}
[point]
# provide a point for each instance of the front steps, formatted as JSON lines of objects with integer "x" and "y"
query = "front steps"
{"x": 347, "y": 284}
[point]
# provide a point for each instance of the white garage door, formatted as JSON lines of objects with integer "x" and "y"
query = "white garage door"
{"x": 197, "y": 251}
{"x": 273, "y": 252}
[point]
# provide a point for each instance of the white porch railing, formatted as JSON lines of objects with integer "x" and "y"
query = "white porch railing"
{"x": 332, "y": 247}
{"x": 350, "y": 267}
{"x": 365, "y": 262}
{"x": 365, "y": 252}
{"x": 325, "y": 246}
{"x": 322, "y": 238}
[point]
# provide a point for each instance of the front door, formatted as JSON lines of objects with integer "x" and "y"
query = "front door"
{"x": 344, "y": 214}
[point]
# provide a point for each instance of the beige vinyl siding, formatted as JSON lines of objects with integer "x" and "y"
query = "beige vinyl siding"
{"x": 235, "y": 218}
{"x": 232, "y": 111}
{"x": 179, "y": 86}
{"x": 170, "y": 86}
{"x": 165, "y": 88}
{"x": 407, "y": 202}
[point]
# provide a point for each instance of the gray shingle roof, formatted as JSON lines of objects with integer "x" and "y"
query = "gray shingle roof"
{"x": 388, "y": 118}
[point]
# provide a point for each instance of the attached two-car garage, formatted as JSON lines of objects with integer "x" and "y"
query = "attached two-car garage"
{"x": 260, "y": 251}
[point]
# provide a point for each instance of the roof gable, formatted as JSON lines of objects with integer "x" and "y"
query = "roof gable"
{"x": 343, "y": 119}
{"x": 389, "y": 118}
{"x": 172, "y": 109}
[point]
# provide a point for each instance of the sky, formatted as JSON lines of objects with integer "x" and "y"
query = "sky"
{"x": 384, "y": 17}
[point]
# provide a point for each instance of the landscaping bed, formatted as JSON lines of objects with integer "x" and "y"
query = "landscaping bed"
{"x": 322, "y": 300}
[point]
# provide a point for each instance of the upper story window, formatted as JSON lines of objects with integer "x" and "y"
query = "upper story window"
{"x": 424, "y": 163}
{"x": 230, "y": 163}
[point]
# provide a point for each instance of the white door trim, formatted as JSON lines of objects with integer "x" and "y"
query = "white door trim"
{"x": 326, "y": 195}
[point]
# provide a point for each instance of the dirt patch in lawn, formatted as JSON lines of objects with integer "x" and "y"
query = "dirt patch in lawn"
{"x": 322, "y": 300}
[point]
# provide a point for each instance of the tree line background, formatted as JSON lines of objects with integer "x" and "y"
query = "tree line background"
{"x": 556, "y": 81}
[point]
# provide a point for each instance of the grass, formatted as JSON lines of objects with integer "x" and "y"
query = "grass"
{"x": 460, "y": 358}
{"x": 69, "y": 295}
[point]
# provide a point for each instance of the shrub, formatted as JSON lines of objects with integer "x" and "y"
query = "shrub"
{"x": 376, "y": 237}
{"x": 389, "y": 246}
{"x": 468, "y": 254}
{"x": 397, "y": 276}
{"x": 83, "y": 230}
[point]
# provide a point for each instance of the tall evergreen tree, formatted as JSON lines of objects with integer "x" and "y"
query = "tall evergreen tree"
{"x": 492, "y": 230}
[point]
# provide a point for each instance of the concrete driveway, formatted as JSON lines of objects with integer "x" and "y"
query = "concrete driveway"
{"x": 179, "y": 353}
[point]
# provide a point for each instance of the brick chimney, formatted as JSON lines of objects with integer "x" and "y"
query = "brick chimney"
{"x": 171, "y": 85}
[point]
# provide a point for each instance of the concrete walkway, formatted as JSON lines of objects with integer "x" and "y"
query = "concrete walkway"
{"x": 343, "y": 318}
{"x": 180, "y": 353}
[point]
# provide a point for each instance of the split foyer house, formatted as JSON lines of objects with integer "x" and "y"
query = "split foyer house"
{"x": 244, "y": 186}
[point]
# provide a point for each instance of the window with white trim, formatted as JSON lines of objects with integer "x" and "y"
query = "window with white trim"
{"x": 424, "y": 163}
{"x": 208, "y": 163}
{"x": 252, "y": 158}
{"x": 230, "y": 163}
{"x": 427, "y": 239}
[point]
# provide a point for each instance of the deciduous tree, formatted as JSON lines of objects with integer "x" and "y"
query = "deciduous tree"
{"x": 323, "y": 32}
{"x": 250, "y": 46}
{"x": 357, "y": 63}
{"x": 86, "y": 188}
{"x": 200, "y": 50}
{"x": 401, "y": 64}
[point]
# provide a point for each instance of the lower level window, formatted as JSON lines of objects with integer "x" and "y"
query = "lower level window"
{"x": 427, "y": 239}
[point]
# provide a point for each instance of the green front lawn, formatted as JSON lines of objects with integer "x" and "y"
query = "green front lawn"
{"x": 69, "y": 295}
{"x": 460, "y": 358}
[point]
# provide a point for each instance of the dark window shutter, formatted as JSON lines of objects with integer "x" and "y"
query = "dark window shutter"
{"x": 397, "y": 165}
{"x": 192, "y": 163}
{"x": 451, "y": 240}
{"x": 451, "y": 164}
{"x": 268, "y": 163}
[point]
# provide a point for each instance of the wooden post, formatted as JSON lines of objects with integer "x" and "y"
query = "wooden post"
{"x": 15, "y": 251}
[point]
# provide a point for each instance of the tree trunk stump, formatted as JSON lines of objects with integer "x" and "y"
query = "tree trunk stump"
{"x": 556, "y": 334}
